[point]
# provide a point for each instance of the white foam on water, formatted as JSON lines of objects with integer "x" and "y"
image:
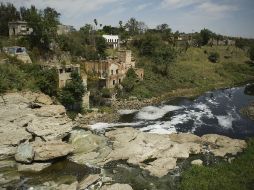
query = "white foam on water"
{"x": 153, "y": 113}
{"x": 160, "y": 128}
{"x": 212, "y": 101}
{"x": 103, "y": 126}
{"x": 225, "y": 121}
{"x": 126, "y": 112}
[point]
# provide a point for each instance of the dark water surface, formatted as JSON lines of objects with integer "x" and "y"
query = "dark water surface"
{"x": 215, "y": 112}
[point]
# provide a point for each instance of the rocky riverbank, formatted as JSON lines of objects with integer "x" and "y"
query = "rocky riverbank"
{"x": 36, "y": 134}
{"x": 248, "y": 111}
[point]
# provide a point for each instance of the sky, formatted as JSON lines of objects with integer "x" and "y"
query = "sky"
{"x": 227, "y": 17}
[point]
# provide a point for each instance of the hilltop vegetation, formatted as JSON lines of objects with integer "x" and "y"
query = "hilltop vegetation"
{"x": 193, "y": 69}
{"x": 194, "y": 65}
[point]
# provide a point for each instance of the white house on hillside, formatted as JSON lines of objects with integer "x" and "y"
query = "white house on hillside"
{"x": 112, "y": 40}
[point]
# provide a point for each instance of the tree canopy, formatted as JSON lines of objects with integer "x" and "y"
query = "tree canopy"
{"x": 71, "y": 95}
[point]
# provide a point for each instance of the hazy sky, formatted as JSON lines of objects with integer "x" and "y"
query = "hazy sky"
{"x": 232, "y": 17}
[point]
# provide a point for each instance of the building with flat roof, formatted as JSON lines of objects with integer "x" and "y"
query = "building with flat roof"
{"x": 19, "y": 28}
{"x": 112, "y": 40}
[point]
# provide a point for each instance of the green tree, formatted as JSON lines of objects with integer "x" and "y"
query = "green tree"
{"x": 214, "y": 57}
{"x": 163, "y": 57}
{"x": 101, "y": 46}
{"x": 44, "y": 24}
{"x": 86, "y": 29}
{"x": 71, "y": 95}
{"x": 7, "y": 13}
{"x": 47, "y": 81}
{"x": 205, "y": 36}
{"x": 129, "y": 81}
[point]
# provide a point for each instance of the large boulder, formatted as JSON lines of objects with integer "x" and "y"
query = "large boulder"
{"x": 89, "y": 148}
{"x": 50, "y": 128}
{"x": 221, "y": 146}
{"x": 50, "y": 150}
{"x": 25, "y": 153}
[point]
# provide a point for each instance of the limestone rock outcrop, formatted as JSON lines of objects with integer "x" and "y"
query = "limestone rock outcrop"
{"x": 89, "y": 148}
{"x": 44, "y": 151}
{"x": 159, "y": 153}
{"x": 25, "y": 116}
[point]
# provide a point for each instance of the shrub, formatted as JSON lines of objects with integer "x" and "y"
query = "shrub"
{"x": 129, "y": 81}
{"x": 71, "y": 95}
{"x": 106, "y": 93}
{"x": 214, "y": 57}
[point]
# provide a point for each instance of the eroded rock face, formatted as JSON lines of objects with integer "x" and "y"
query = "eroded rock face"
{"x": 27, "y": 115}
{"x": 89, "y": 148}
{"x": 221, "y": 145}
{"x": 50, "y": 150}
{"x": 156, "y": 153}
{"x": 159, "y": 153}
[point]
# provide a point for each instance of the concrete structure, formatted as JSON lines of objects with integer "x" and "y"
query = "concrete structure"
{"x": 113, "y": 70}
{"x": 19, "y": 28}
{"x": 64, "y": 76}
{"x": 64, "y": 29}
{"x": 19, "y": 52}
{"x": 223, "y": 42}
{"x": 112, "y": 40}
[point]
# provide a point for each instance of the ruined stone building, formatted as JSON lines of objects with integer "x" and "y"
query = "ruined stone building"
{"x": 64, "y": 76}
{"x": 19, "y": 28}
{"x": 112, "y": 40}
{"x": 112, "y": 71}
{"x": 221, "y": 42}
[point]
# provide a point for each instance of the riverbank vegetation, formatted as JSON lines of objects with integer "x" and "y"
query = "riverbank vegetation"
{"x": 228, "y": 176}
{"x": 193, "y": 70}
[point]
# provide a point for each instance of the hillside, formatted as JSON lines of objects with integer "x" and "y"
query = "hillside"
{"x": 192, "y": 69}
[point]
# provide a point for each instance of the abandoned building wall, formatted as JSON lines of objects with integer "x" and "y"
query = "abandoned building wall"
{"x": 19, "y": 28}
{"x": 96, "y": 67}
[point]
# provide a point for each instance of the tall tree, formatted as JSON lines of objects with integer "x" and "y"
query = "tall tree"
{"x": 7, "y": 13}
{"x": 44, "y": 24}
{"x": 205, "y": 36}
{"x": 71, "y": 95}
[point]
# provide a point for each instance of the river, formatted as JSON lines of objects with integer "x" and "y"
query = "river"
{"x": 215, "y": 112}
